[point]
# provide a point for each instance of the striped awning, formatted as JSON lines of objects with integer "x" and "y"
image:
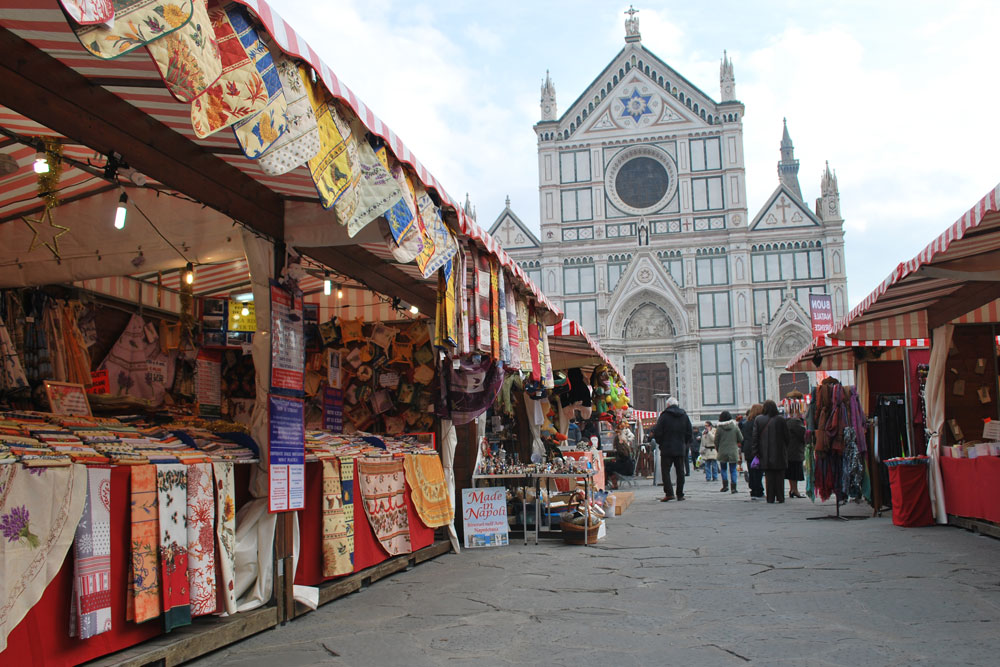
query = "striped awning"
{"x": 572, "y": 347}
{"x": 646, "y": 417}
{"x": 825, "y": 353}
{"x": 956, "y": 276}
{"x": 134, "y": 79}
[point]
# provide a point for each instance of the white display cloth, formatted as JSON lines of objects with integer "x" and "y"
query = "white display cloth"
{"x": 934, "y": 400}
{"x": 449, "y": 441}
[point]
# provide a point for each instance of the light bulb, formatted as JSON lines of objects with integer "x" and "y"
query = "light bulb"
{"x": 121, "y": 211}
{"x": 236, "y": 317}
{"x": 41, "y": 165}
{"x": 327, "y": 286}
{"x": 414, "y": 310}
{"x": 245, "y": 311}
{"x": 189, "y": 273}
{"x": 340, "y": 292}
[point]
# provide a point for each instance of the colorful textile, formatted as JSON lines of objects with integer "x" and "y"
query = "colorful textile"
{"x": 257, "y": 133}
{"x": 495, "y": 309}
{"x": 471, "y": 388}
{"x": 201, "y": 538}
{"x": 39, "y": 512}
{"x": 523, "y": 333}
{"x": 145, "y": 584}
{"x": 382, "y": 487}
{"x": 86, "y": 12}
{"x": 337, "y": 548}
{"x": 429, "y": 492}
{"x": 462, "y": 267}
{"x": 548, "y": 378}
{"x": 300, "y": 141}
{"x": 136, "y": 366}
{"x": 334, "y": 169}
{"x": 91, "y": 612}
{"x": 376, "y": 191}
{"x": 484, "y": 339}
{"x": 136, "y": 22}
{"x": 513, "y": 330}
{"x": 535, "y": 348}
{"x": 402, "y": 221}
{"x": 241, "y": 91}
{"x": 451, "y": 303}
{"x": 225, "y": 532}
{"x": 502, "y": 318}
{"x": 347, "y": 465}
{"x": 439, "y": 243}
{"x": 12, "y": 375}
{"x": 188, "y": 59}
{"x": 171, "y": 488}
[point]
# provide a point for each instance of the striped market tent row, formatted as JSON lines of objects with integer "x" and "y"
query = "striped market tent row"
{"x": 839, "y": 355}
{"x": 572, "y": 347}
{"x": 132, "y": 290}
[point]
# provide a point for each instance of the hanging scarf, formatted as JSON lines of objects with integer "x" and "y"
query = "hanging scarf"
{"x": 92, "y": 565}
{"x": 484, "y": 337}
{"x": 535, "y": 349}
{"x": 523, "y": 337}
{"x": 347, "y": 494}
{"x": 337, "y": 550}
{"x": 513, "y": 335}
{"x": 548, "y": 378}
{"x": 471, "y": 388}
{"x": 462, "y": 299}
{"x": 12, "y": 375}
{"x": 145, "y": 541}
{"x": 201, "y": 538}
{"x": 225, "y": 531}
{"x": 171, "y": 487}
{"x": 495, "y": 309}
{"x": 502, "y": 320}
{"x": 451, "y": 331}
{"x": 382, "y": 488}
{"x": 425, "y": 476}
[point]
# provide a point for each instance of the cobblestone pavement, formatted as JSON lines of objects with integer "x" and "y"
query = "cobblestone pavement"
{"x": 713, "y": 580}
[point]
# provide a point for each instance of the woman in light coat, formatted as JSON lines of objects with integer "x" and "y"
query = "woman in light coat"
{"x": 709, "y": 454}
{"x": 728, "y": 437}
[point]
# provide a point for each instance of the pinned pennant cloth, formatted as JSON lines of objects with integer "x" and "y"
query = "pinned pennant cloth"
{"x": 201, "y": 538}
{"x": 135, "y": 24}
{"x": 338, "y": 543}
{"x": 145, "y": 579}
{"x": 171, "y": 489}
{"x": 300, "y": 141}
{"x": 225, "y": 531}
{"x": 439, "y": 243}
{"x": 405, "y": 240}
{"x": 382, "y": 492}
{"x": 39, "y": 512}
{"x": 87, "y": 12}
{"x": 334, "y": 169}
{"x": 248, "y": 79}
{"x": 188, "y": 59}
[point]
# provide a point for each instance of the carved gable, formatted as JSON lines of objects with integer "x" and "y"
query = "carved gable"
{"x": 637, "y": 103}
{"x": 512, "y": 233}
{"x": 783, "y": 210}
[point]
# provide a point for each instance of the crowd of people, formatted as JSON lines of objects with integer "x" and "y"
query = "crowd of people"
{"x": 770, "y": 446}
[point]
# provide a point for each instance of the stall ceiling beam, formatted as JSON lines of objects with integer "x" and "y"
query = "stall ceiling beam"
{"x": 41, "y": 88}
{"x": 964, "y": 300}
{"x": 371, "y": 271}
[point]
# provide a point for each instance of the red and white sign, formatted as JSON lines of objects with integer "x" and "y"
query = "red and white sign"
{"x": 821, "y": 314}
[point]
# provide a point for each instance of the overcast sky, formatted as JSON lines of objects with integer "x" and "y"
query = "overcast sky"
{"x": 900, "y": 97}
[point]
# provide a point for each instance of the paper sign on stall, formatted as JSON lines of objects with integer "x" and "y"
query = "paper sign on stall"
{"x": 333, "y": 410}
{"x": 484, "y": 517}
{"x": 288, "y": 351}
{"x": 208, "y": 383}
{"x": 287, "y": 456}
{"x": 67, "y": 399}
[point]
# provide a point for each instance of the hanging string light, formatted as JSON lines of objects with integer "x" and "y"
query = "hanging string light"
{"x": 41, "y": 165}
{"x": 327, "y": 285}
{"x": 121, "y": 211}
{"x": 246, "y": 310}
{"x": 340, "y": 291}
{"x": 189, "y": 274}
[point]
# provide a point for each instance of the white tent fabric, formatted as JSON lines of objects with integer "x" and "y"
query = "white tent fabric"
{"x": 935, "y": 400}
{"x": 449, "y": 441}
{"x": 260, "y": 260}
{"x": 254, "y": 555}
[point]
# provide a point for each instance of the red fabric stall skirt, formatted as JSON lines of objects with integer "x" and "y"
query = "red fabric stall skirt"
{"x": 911, "y": 499}
{"x": 972, "y": 487}
{"x": 368, "y": 550}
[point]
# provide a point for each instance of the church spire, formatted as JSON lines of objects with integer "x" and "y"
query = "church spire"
{"x": 828, "y": 203}
{"x": 632, "y": 25}
{"x": 788, "y": 167}
{"x": 548, "y": 101}
{"x": 727, "y": 79}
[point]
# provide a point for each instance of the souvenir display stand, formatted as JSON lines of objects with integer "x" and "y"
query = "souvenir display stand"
{"x": 948, "y": 294}
{"x": 203, "y": 196}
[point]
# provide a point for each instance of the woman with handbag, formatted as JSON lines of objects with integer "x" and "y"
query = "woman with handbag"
{"x": 770, "y": 450}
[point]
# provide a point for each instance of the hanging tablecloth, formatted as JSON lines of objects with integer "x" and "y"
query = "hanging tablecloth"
{"x": 382, "y": 485}
{"x": 425, "y": 477}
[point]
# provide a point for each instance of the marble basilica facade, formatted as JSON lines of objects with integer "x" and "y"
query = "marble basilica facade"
{"x": 646, "y": 240}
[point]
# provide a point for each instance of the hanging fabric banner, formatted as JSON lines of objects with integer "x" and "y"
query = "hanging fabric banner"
{"x": 135, "y": 23}
{"x": 300, "y": 141}
{"x": 225, "y": 530}
{"x": 337, "y": 550}
{"x": 92, "y": 563}
{"x": 188, "y": 59}
{"x": 145, "y": 544}
{"x": 171, "y": 490}
{"x": 201, "y": 539}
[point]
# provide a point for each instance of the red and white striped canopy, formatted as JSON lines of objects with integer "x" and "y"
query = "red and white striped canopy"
{"x": 135, "y": 79}
{"x": 572, "y": 347}
{"x": 838, "y": 355}
{"x": 954, "y": 277}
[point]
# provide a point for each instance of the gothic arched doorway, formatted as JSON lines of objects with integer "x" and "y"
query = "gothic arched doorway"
{"x": 647, "y": 381}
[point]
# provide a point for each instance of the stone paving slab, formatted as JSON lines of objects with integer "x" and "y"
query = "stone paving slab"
{"x": 713, "y": 580}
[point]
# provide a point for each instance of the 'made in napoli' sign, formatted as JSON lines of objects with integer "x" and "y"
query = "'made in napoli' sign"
{"x": 484, "y": 517}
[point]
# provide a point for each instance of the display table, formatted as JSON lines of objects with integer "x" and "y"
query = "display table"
{"x": 597, "y": 461}
{"x": 972, "y": 487}
{"x": 368, "y": 550}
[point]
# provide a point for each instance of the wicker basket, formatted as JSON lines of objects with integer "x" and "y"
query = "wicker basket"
{"x": 574, "y": 534}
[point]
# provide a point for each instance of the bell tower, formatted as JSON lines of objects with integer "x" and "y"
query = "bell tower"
{"x": 548, "y": 101}
{"x": 727, "y": 79}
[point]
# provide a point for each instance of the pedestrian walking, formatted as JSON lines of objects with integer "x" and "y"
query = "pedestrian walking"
{"x": 795, "y": 473}
{"x": 727, "y": 440}
{"x": 770, "y": 450}
{"x": 755, "y": 477}
{"x": 674, "y": 434}
{"x": 691, "y": 451}
{"x": 709, "y": 454}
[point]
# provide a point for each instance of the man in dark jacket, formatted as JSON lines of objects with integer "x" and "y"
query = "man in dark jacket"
{"x": 673, "y": 433}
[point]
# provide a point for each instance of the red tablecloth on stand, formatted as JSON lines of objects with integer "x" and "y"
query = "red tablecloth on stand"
{"x": 42, "y": 637}
{"x": 367, "y": 549}
{"x": 972, "y": 487}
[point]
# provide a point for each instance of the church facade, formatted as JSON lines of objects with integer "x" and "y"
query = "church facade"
{"x": 646, "y": 240}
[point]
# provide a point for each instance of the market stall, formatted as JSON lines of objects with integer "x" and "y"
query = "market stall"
{"x": 192, "y": 188}
{"x": 948, "y": 293}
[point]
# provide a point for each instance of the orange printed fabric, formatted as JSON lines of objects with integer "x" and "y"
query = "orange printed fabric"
{"x": 188, "y": 59}
{"x": 136, "y": 23}
{"x": 338, "y": 549}
{"x": 241, "y": 91}
{"x": 145, "y": 582}
{"x": 382, "y": 487}
{"x": 428, "y": 490}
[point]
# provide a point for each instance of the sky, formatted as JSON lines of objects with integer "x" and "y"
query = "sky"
{"x": 897, "y": 96}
